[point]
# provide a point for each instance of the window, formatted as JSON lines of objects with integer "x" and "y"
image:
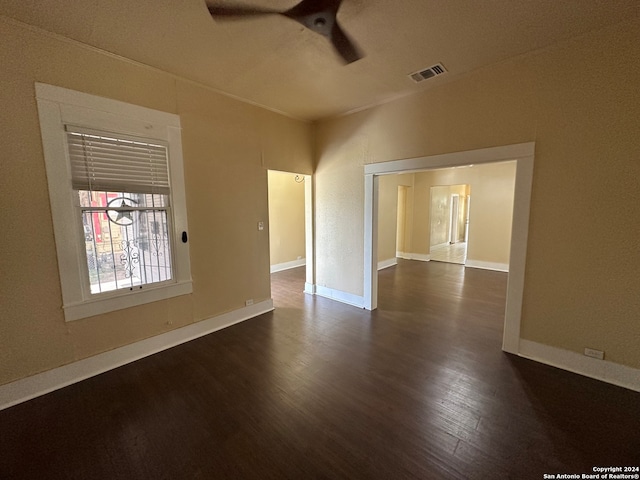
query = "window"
{"x": 117, "y": 198}
{"x": 124, "y": 203}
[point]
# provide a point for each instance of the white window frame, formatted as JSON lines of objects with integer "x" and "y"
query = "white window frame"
{"x": 58, "y": 107}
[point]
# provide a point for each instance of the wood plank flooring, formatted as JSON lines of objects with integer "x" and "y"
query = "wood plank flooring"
{"x": 418, "y": 389}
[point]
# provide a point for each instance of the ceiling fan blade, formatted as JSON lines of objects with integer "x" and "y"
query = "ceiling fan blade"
{"x": 346, "y": 47}
{"x": 318, "y": 16}
{"x": 237, "y": 12}
{"x": 312, "y": 7}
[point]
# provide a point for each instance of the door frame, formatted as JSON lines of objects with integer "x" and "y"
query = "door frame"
{"x": 453, "y": 218}
{"x": 523, "y": 154}
{"x": 309, "y": 284}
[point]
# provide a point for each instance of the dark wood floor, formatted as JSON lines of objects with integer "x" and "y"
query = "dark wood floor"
{"x": 418, "y": 389}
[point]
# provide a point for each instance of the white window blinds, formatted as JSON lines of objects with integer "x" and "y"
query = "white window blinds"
{"x": 113, "y": 163}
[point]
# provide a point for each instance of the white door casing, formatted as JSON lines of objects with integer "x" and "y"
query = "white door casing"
{"x": 523, "y": 154}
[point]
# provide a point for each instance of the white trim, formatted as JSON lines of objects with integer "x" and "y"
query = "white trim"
{"x": 309, "y": 288}
{"x": 603, "y": 370}
{"x": 113, "y": 108}
{"x": 42, "y": 383}
{"x": 453, "y": 217}
{"x": 498, "y": 267}
{"x": 344, "y": 297}
{"x": 178, "y": 197}
{"x": 279, "y": 267}
{"x": 446, "y": 160}
{"x": 390, "y": 262}
{"x": 523, "y": 154}
{"x": 518, "y": 253}
{"x": 371, "y": 187}
{"x": 60, "y": 106}
{"x": 310, "y": 274}
{"x": 440, "y": 245}
{"x": 125, "y": 299}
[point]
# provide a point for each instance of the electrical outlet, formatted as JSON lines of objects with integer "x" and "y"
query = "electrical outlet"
{"x": 260, "y": 225}
{"x": 248, "y": 302}
{"x": 591, "y": 352}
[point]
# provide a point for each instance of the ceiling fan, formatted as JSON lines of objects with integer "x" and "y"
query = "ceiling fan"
{"x": 317, "y": 15}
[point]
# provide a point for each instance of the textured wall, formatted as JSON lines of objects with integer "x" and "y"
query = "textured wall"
{"x": 581, "y": 285}
{"x": 388, "y": 210}
{"x": 227, "y": 146}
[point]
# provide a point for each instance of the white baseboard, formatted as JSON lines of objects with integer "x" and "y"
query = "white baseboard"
{"x": 45, "y": 382}
{"x": 498, "y": 267}
{"x": 390, "y": 262}
{"x": 279, "y": 267}
{"x": 440, "y": 245}
{"x": 603, "y": 370}
{"x": 309, "y": 288}
{"x": 414, "y": 256}
{"x": 344, "y": 297}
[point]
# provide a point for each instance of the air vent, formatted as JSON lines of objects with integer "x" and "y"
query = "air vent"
{"x": 437, "y": 69}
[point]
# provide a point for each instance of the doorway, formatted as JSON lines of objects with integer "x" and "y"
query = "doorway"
{"x": 523, "y": 155}
{"x": 448, "y": 223}
{"x": 291, "y": 226}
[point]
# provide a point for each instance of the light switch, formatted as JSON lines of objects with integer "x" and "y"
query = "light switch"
{"x": 260, "y": 225}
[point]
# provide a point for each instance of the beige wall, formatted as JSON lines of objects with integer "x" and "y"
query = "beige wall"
{"x": 286, "y": 218}
{"x": 388, "y": 214}
{"x": 404, "y": 228}
{"x": 491, "y": 187}
{"x": 491, "y": 209}
{"x": 579, "y": 291}
{"x": 227, "y": 146}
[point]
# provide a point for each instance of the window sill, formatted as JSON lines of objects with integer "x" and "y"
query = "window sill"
{"x": 98, "y": 306}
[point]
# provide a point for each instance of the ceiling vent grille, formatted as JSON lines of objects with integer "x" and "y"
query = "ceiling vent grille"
{"x": 435, "y": 70}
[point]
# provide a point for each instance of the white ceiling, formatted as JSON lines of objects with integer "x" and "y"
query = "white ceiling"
{"x": 274, "y": 62}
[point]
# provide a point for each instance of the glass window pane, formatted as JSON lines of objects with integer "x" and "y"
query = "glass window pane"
{"x": 113, "y": 200}
{"x": 126, "y": 248}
